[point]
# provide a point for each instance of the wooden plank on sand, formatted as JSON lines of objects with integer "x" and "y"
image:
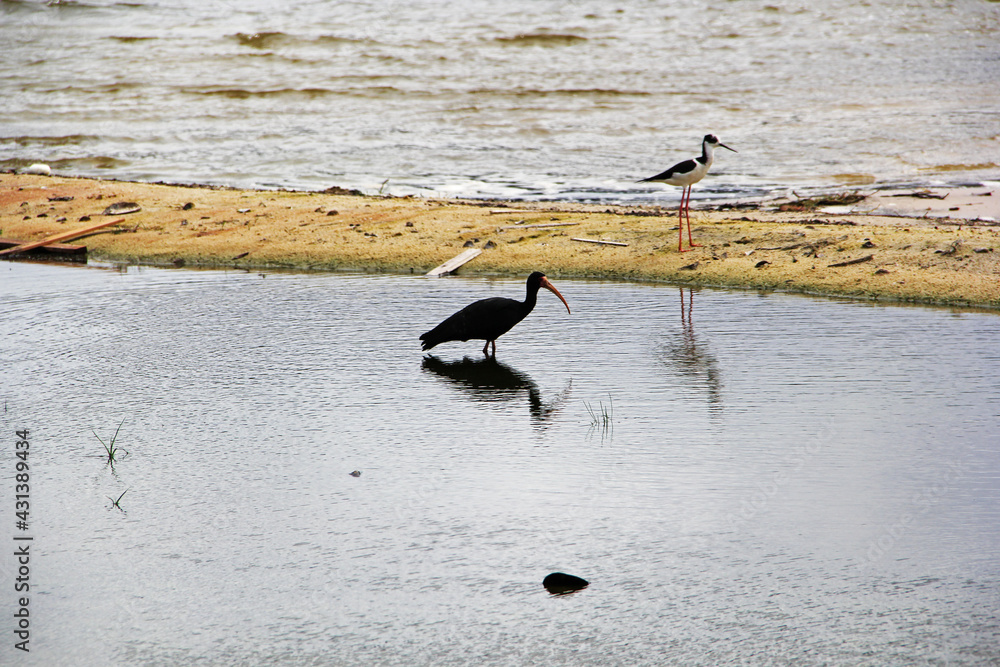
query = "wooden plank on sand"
{"x": 59, "y": 248}
{"x": 602, "y": 242}
{"x": 24, "y": 247}
{"x": 541, "y": 224}
{"x": 455, "y": 262}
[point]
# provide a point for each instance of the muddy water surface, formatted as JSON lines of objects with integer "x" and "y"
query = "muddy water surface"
{"x": 783, "y": 480}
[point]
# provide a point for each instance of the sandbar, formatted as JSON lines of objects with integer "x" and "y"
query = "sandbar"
{"x": 932, "y": 246}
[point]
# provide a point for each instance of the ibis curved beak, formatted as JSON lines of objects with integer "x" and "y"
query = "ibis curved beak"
{"x": 549, "y": 286}
{"x": 732, "y": 149}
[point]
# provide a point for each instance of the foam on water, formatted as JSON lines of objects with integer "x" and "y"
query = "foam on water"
{"x": 532, "y": 100}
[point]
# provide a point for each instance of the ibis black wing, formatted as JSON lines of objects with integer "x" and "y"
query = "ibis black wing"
{"x": 487, "y": 319}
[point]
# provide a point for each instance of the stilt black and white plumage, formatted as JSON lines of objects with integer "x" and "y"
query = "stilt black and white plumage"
{"x": 685, "y": 174}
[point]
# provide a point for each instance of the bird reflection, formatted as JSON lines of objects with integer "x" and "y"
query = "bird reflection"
{"x": 489, "y": 380}
{"x": 691, "y": 358}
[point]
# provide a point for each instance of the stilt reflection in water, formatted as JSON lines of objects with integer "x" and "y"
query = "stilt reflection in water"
{"x": 690, "y": 358}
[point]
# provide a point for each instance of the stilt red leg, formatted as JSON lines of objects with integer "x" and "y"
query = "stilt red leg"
{"x": 688, "y": 209}
{"x": 680, "y": 222}
{"x": 684, "y": 211}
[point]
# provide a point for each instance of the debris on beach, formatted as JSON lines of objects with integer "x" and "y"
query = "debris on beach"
{"x": 859, "y": 260}
{"x": 811, "y": 203}
{"x": 122, "y": 208}
{"x": 951, "y": 249}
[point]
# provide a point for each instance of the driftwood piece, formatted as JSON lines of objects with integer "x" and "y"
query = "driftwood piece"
{"x": 617, "y": 243}
{"x": 455, "y": 262}
{"x": 57, "y": 248}
{"x": 859, "y": 260}
{"x": 541, "y": 224}
{"x": 63, "y": 236}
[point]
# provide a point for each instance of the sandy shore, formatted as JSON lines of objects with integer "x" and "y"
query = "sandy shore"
{"x": 931, "y": 247}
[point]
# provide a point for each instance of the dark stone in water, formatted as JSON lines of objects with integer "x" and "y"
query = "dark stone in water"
{"x": 559, "y": 583}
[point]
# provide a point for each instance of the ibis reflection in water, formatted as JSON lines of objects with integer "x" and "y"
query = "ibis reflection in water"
{"x": 488, "y": 380}
{"x": 488, "y": 319}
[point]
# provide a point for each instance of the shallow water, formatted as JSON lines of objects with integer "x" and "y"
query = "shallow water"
{"x": 527, "y": 100}
{"x": 784, "y": 480}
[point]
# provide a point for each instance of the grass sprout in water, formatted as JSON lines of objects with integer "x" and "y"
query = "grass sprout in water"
{"x": 603, "y": 416}
{"x": 111, "y": 448}
{"x": 116, "y": 503}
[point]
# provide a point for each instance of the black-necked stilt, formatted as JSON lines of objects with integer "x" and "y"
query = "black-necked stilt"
{"x": 686, "y": 174}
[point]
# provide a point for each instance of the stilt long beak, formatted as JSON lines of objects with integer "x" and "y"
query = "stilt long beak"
{"x": 549, "y": 286}
{"x": 732, "y": 149}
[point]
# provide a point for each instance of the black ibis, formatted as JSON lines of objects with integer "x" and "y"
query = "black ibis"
{"x": 488, "y": 319}
{"x": 686, "y": 174}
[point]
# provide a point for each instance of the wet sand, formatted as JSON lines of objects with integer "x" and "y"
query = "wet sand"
{"x": 941, "y": 246}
